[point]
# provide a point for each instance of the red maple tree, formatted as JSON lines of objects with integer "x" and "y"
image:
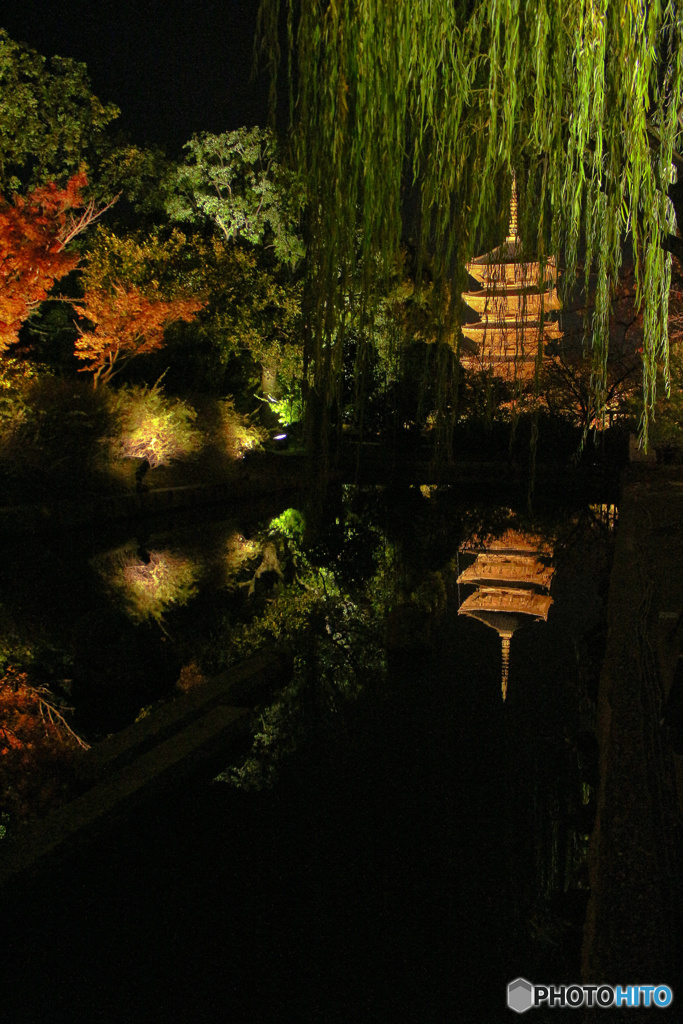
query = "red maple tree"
{"x": 34, "y": 232}
{"x": 36, "y": 748}
{"x": 125, "y": 323}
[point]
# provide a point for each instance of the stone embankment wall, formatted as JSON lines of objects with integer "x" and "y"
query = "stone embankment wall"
{"x": 634, "y": 919}
{"x": 194, "y": 735}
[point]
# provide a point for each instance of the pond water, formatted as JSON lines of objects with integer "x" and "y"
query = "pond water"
{"x": 404, "y": 840}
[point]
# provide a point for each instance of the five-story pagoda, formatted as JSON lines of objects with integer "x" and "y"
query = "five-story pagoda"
{"x": 513, "y": 304}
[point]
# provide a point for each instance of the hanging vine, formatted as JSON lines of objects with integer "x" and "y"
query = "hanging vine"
{"x": 581, "y": 98}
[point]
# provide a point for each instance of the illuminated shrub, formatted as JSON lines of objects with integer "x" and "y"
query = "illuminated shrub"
{"x": 289, "y": 408}
{"x": 50, "y": 431}
{"x": 237, "y": 433}
{"x": 14, "y": 380}
{"x": 290, "y": 524}
{"x": 154, "y": 427}
{"x": 161, "y": 429}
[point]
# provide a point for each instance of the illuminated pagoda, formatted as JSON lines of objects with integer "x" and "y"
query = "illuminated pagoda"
{"x": 513, "y": 304}
{"x": 512, "y": 581}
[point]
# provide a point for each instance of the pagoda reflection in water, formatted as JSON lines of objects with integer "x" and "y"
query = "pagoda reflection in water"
{"x": 512, "y": 575}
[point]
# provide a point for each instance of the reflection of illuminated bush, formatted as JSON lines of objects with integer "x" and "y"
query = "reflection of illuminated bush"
{"x": 190, "y": 678}
{"x": 338, "y": 643}
{"x": 290, "y": 524}
{"x": 340, "y": 648}
{"x": 151, "y": 588}
{"x": 238, "y": 553}
{"x": 155, "y": 427}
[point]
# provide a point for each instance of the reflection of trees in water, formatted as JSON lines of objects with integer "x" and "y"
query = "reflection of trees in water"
{"x": 153, "y": 586}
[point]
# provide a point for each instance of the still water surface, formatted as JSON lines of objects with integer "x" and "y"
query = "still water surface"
{"x": 401, "y": 841}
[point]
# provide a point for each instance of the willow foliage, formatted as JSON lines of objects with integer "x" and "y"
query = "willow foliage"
{"x": 580, "y": 99}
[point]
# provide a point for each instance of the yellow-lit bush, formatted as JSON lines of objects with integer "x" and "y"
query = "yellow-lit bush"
{"x": 15, "y": 377}
{"x": 153, "y": 426}
{"x": 50, "y": 433}
{"x": 237, "y": 433}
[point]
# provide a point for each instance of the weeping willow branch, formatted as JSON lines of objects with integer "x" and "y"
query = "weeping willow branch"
{"x": 579, "y": 99}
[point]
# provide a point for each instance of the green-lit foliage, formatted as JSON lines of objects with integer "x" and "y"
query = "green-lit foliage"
{"x": 579, "y": 99}
{"x": 251, "y": 310}
{"x": 290, "y": 524}
{"x": 50, "y": 123}
{"x": 154, "y": 261}
{"x": 338, "y": 639}
{"x": 52, "y": 126}
{"x": 236, "y": 182}
{"x": 288, "y": 409}
{"x": 15, "y": 378}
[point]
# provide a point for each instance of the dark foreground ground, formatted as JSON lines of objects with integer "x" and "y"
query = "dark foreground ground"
{"x": 368, "y": 887}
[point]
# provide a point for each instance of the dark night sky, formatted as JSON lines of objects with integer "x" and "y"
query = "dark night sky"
{"x": 174, "y": 67}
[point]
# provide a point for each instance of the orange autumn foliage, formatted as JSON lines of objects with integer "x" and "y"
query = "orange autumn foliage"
{"x": 36, "y": 748}
{"x": 34, "y": 231}
{"x": 126, "y": 323}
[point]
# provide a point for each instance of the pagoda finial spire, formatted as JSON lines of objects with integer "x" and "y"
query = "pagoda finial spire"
{"x": 505, "y": 643}
{"x": 512, "y": 230}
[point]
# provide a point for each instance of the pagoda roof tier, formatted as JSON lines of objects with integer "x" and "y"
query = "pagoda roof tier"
{"x": 510, "y": 336}
{"x": 494, "y": 358}
{"x": 504, "y": 623}
{"x": 510, "y": 600}
{"x": 511, "y": 370}
{"x": 512, "y": 303}
{"x": 504, "y": 568}
{"x": 512, "y": 542}
{"x": 501, "y": 266}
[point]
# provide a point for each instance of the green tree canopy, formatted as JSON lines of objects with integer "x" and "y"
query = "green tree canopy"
{"x": 236, "y": 182}
{"x": 579, "y": 99}
{"x": 52, "y": 127}
{"x": 50, "y": 122}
